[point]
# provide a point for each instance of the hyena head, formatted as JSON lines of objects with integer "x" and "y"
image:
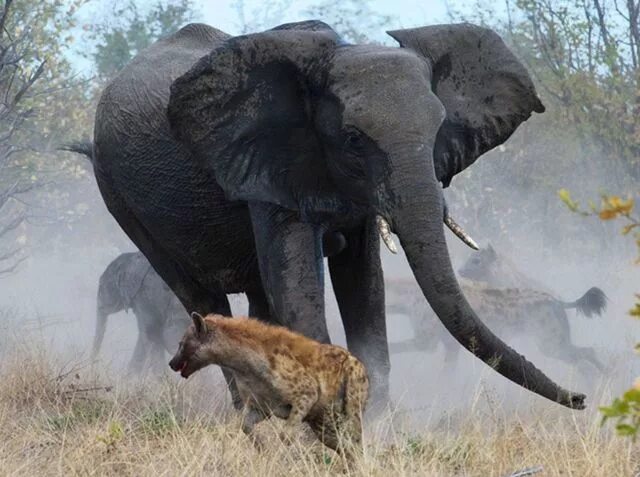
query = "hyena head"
{"x": 192, "y": 350}
{"x": 487, "y": 266}
{"x": 480, "y": 264}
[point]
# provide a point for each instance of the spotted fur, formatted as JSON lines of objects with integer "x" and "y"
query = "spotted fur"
{"x": 281, "y": 373}
{"x": 496, "y": 270}
{"x": 509, "y": 312}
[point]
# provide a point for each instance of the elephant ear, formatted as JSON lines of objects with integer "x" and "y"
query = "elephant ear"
{"x": 485, "y": 90}
{"x": 245, "y": 110}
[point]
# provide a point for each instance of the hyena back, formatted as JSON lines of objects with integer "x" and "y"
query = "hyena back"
{"x": 281, "y": 373}
{"x": 509, "y": 312}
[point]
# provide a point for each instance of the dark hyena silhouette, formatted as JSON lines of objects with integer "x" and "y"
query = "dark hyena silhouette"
{"x": 509, "y": 312}
{"x": 130, "y": 282}
{"x": 496, "y": 270}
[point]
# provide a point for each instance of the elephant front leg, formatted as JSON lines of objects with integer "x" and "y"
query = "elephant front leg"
{"x": 358, "y": 283}
{"x": 291, "y": 268}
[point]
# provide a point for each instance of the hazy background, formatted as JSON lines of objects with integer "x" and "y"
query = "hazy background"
{"x": 61, "y": 236}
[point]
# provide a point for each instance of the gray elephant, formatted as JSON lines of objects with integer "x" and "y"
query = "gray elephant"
{"x": 228, "y": 160}
{"x": 130, "y": 282}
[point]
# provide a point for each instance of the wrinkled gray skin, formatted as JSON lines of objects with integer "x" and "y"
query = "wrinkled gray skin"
{"x": 533, "y": 315}
{"x": 273, "y": 140}
{"x": 129, "y": 282}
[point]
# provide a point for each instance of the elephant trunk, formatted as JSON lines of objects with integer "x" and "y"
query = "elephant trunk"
{"x": 101, "y": 326}
{"x": 417, "y": 220}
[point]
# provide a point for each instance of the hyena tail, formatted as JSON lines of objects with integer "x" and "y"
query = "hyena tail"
{"x": 592, "y": 303}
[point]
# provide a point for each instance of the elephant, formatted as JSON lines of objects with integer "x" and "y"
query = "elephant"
{"x": 228, "y": 160}
{"x": 129, "y": 282}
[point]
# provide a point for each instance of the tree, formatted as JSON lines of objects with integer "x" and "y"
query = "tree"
{"x": 120, "y": 38}
{"x": 354, "y": 20}
{"x": 34, "y": 77}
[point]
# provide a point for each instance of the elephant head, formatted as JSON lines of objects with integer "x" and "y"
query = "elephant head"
{"x": 339, "y": 132}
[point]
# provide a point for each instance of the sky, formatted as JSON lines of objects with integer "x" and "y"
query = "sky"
{"x": 222, "y": 14}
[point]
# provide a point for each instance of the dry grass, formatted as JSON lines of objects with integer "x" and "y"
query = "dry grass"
{"x": 59, "y": 420}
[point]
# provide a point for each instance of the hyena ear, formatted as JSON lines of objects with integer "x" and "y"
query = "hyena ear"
{"x": 198, "y": 322}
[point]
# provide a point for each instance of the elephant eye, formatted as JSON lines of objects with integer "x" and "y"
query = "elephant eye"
{"x": 353, "y": 139}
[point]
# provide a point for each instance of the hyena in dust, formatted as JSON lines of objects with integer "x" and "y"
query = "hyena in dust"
{"x": 496, "y": 270}
{"x": 508, "y": 312}
{"x": 281, "y": 373}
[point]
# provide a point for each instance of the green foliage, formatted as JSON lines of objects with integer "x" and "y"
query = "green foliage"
{"x": 585, "y": 57}
{"x": 158, "y": 421}
{"x": 626, "y": 409}
{"x": 42, "y": 105}
{"x": 82, "y": 412}
{"x": 117, "y": 44}
{"x": 115, "y": 433}
{"x": 355, "y": 21}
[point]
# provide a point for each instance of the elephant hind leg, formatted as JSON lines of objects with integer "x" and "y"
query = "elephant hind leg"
{"x": 140, "y": 353}
{"x": 191, "y": 293}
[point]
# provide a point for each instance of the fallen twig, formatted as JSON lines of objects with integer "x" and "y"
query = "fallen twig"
{"x": 525, "y": 472}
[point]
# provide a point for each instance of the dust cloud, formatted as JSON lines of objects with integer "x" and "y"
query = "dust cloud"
{"x": 53, "y": 297}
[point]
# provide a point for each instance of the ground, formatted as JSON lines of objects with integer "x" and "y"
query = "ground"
{"x": 60, "y": 417}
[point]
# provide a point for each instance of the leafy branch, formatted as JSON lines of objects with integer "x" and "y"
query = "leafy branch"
{"x": 625, "y": 410}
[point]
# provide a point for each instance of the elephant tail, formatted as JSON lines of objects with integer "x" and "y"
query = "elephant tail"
{"x": 592, "y": 303}
{"x": 84, "y": 148}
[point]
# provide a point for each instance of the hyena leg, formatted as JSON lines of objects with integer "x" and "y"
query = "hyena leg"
{"x": 341, "y": 427}
{"x": 219, "y": 304}
{"x": 357, "y": 392}
{"x": 326, "y": 430}
{"x": 299, "y": 389}
{"x": 303, "y": 396}
{"x": 451, "y": 352}
{"x": 251, "y": 419}
{"x": 579, "y": 354}
{"x": 556, "y": 343}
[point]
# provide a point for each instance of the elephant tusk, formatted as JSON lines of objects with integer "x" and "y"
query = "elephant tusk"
{"x": 385, "y": 232}
{"x": 460, "y": 233}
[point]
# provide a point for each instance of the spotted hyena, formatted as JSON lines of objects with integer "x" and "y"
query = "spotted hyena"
{"x": 281, "y": 373}
{"x": 496, "y": 270}
{"x": 509, "y": 312}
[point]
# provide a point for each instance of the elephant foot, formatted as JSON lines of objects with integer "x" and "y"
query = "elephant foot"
{"x": 379, "y": 403}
